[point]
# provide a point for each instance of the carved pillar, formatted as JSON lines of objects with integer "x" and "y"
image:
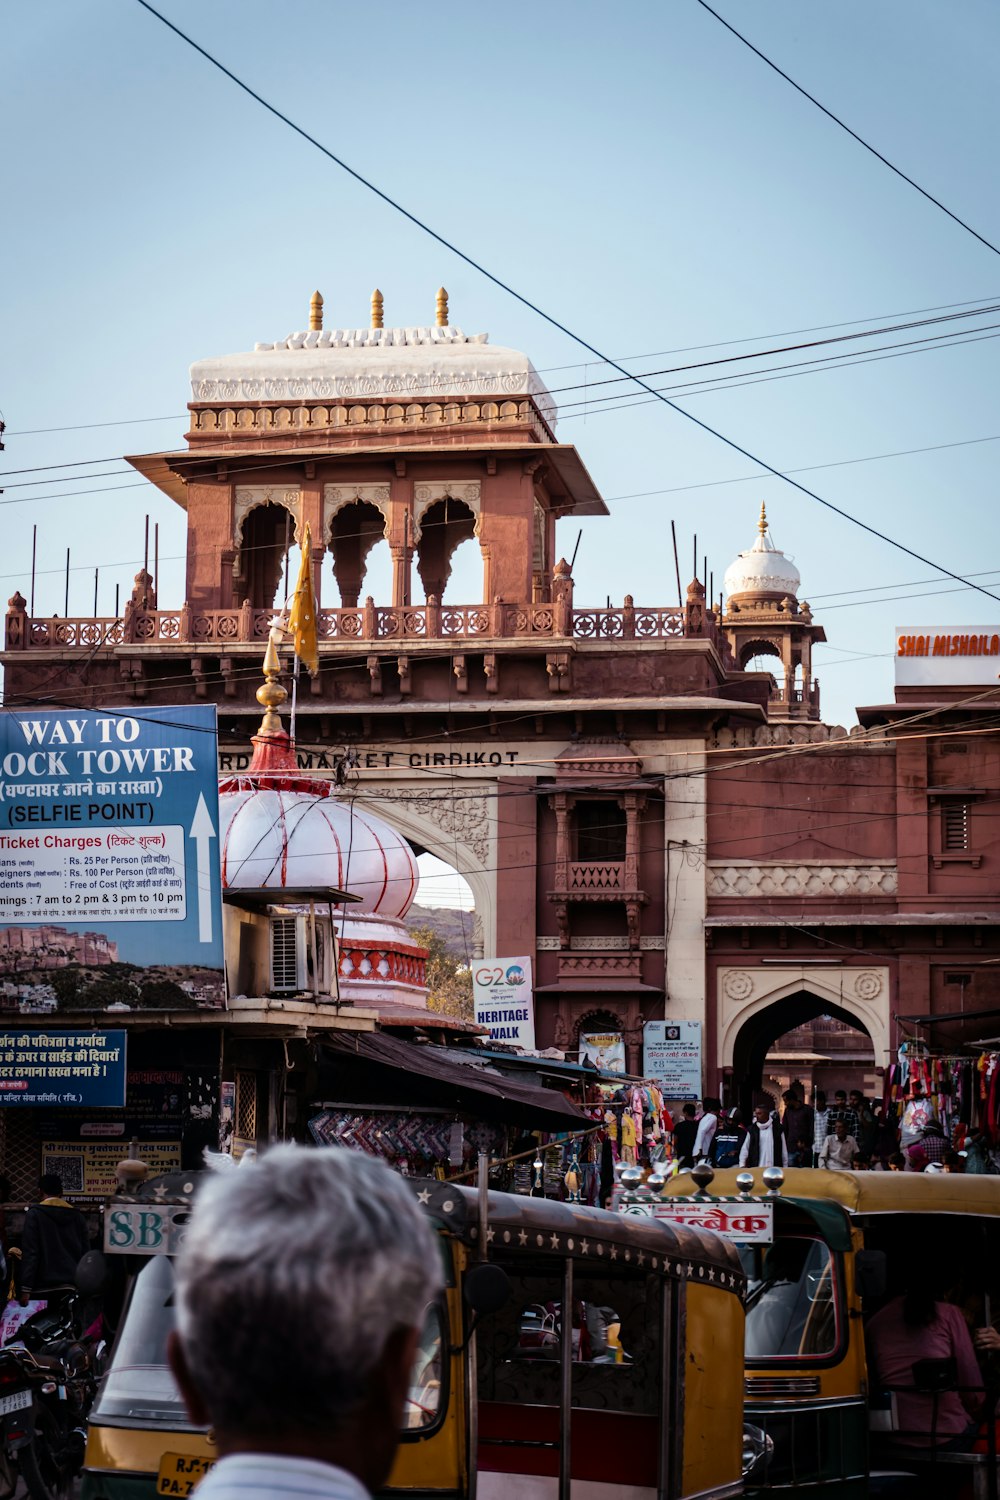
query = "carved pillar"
{"x": 631, "y": 803}
{"x": 400, "y": 576}
{"x": 561, "y": 804}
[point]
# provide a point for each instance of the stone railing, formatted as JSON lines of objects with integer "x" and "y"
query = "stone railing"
{"x": 808, "y": 877}
{"x": 366, "y": 623}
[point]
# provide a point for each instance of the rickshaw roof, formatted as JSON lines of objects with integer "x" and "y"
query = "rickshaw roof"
{"x": 520, "y": 1225}
{"x": 865, "y": 1194}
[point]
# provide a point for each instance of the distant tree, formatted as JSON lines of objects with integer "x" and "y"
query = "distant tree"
{"x": 68, "y": 987}
{"x": 164, "y": 994}
{"x": 449, "y": 980}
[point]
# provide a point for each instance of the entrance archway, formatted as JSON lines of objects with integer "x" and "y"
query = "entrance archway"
{"x": 758, "y": 1003}
{"x": 756, "y": 1070}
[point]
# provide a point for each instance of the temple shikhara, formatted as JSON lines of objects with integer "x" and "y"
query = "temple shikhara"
{"x": 643, "y": 798}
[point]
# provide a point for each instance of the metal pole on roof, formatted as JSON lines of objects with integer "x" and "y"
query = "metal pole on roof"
{"x": 677, "y": 566}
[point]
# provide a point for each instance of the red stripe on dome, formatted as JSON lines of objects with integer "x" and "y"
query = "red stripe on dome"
{"x": 385, "y": 862}
{"x": 336, "y": 839}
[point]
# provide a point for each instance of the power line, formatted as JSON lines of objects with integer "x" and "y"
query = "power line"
{"x": 730, "y": 359}
{"x": 89, "y": 426}
{"x": 838, "y": 121}
{"x": 548, "y": 317}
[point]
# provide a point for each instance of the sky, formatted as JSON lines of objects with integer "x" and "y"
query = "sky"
{"x": 634, "y": 170}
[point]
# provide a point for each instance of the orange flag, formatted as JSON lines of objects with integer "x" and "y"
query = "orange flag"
{"x": 302, "y": 619}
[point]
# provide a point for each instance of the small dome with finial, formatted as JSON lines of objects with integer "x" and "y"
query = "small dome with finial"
{"x": 763, "y": 572}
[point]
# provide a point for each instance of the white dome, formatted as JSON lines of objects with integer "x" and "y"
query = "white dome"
{"x": 273, "y": 840}
{"x": 389, "y": 363}
{"x": 764, "y": 570}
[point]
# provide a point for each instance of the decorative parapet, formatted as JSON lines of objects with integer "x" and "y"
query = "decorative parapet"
{"x": 741, "y": 878}
{"x": 432, "y": 620}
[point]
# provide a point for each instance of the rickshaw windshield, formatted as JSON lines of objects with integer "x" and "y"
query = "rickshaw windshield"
{"x": 793, "y": 1300}
{"x": 139, "y": 1387}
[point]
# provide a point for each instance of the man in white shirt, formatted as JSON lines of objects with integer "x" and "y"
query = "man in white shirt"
{"x": 301, "y": 1290}
{"x": 765, "y": 1144}
{"x": 838, "y": 1151}
{"x": 707, "y": 1126}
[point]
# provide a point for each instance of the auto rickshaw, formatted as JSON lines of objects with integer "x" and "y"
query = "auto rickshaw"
{"x": 570, "y": 1346}
{"x": 841, "y": 1244}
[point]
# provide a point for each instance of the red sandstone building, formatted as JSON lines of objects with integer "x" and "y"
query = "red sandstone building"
{"x": 667, "y": 833}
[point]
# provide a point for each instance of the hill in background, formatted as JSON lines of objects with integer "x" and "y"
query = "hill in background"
{"x": 452, "y": 925}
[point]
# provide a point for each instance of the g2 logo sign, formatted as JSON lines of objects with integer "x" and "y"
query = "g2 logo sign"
{"x": 497, "y": 974}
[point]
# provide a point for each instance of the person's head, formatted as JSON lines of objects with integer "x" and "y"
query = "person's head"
{"x": 953, "y": 1162}
{"x": 761, "y": 1114}
{"x": 861, "y": 1163}
{"x": 932, "y": 1128}
{"x": 50, "y": 1186}
{"x": 301, "y": 1290}
{"x": 840, "y": 1129}
{"x": 711, "y": 1105}
{"x": 689, "y": 1111}
{"x": 841, "y": 1098}
{"x": 790, "y": 1098}
{"x": 897, "y": 1162}
{"x": 856, "y": 1098}
{"x": 736, "y": 1118}
{"x": 820, "y": 1099}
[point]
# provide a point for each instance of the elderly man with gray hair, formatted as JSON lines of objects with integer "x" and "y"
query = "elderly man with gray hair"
{"x": 301, "y": 1290}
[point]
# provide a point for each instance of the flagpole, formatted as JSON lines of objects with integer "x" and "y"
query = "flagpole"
{"x": 295, "y": 694}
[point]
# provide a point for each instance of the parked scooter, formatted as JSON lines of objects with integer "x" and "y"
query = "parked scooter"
{"x": 48, "y": 1379}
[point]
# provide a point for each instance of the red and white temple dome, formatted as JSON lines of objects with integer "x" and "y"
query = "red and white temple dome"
{"x": 282, "y": 838}
{"x": 763, "y": 572}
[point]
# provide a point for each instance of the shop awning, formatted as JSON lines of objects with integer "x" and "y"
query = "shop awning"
{"x": 420, "y": 1074}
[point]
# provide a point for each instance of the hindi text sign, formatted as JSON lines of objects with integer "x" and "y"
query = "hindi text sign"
{"x": 109, "y": 858}
{"x": 671, "y": 1054}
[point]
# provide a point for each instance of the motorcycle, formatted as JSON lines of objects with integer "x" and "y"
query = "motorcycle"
{"x": 48, "y": 1380}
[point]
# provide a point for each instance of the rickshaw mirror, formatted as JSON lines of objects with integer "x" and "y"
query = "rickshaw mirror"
{"x": 870, "y": 1273}
{"x": 487, "y": 1288}
{"x": 91, "y": 1276}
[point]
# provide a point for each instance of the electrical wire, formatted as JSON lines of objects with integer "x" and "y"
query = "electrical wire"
{"x": 844, "y": 126}
{"x": 548, "y": 317}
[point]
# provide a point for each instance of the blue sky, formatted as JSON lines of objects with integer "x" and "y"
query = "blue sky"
{"x": 633, "y": 169}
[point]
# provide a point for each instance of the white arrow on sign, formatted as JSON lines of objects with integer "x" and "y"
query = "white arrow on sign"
{"x": 202, "y": 830}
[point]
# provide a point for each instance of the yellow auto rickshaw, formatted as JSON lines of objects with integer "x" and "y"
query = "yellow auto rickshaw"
{"x": 839, "y": 1245}
{"x": 571, "y": 1345}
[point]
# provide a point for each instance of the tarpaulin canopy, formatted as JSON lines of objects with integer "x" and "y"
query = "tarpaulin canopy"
{"x": 422, "y": 1074}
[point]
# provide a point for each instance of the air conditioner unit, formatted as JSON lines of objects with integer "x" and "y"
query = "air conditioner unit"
{"x": 302, "y": 955}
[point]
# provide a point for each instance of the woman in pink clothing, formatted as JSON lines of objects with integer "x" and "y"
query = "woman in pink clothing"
{"x": 915, "y": 1327}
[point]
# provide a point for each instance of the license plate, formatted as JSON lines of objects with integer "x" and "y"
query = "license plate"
{"x": 179, "y": 1473}
{"x": 17, "y": 1402}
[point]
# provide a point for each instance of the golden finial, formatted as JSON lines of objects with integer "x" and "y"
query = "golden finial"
{"x": 376, "y": 308}
{"x": 442, "y": 308}
{"x": 271, "y": 695}
{"x": 762, "y": 523}
{"x": 315, "y": 311}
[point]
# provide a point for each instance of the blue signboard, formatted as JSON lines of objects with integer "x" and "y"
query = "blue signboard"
{"x": 110, "y": 891}
{"x": 78, "y": 1069}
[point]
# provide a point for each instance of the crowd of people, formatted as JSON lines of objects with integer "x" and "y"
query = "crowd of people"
{"x": 851, "y": 1134}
